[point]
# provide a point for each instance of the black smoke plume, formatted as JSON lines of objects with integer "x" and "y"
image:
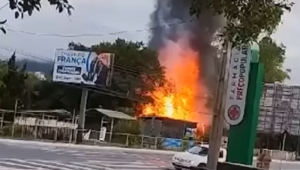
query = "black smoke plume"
{"x": 172, "y": 17}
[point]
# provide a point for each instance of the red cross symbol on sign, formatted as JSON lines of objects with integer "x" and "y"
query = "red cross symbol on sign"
{"x": 234, "y": 112}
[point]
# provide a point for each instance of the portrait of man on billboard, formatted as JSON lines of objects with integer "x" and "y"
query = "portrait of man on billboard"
{"x": 99, "y": 69}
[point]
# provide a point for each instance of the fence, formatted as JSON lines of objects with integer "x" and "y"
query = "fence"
{"x": 59, "y": 134}
{"x": 53, "y": 130}
{"x": 39, "y": 128}
{"x": 138, "y": 141}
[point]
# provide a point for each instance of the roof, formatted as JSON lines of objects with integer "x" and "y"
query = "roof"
{"x": 55, "y": 111}
{"x": 112, "y": 113}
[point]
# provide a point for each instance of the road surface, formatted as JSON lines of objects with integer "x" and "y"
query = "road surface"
{"x": 16, "y": 156}
{"x": 27, "y": 155}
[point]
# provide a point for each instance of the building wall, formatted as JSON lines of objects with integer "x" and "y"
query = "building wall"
{"x": 280, "y": 109}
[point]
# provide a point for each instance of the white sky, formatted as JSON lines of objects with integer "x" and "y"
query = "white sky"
{"x": 111, "y": 16}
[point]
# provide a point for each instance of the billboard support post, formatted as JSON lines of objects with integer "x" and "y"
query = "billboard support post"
{"x": 82, "y": 109}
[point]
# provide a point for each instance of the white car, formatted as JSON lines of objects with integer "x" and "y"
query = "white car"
{"x": 195, "y": 157}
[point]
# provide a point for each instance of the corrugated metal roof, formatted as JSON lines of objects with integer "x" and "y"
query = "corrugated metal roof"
{"x": 113, "y": 114}
{"x": 57, "y": 111}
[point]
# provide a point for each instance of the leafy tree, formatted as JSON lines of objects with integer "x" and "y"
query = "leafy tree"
{"x": 245, "y": 19}
{"x": 14, "y": 84}
{"x": 3, "y": 72}
{"x": 136, "y": 67}
{"x": 57, "y": 96}
{"x": 29, "y": 92}
{"x": 22, "y": 7}
{"x": 272, "y": 56}
{"x": 134, "y": 64}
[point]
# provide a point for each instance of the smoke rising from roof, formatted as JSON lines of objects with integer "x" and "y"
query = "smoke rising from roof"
{"x": 171, "y": 19}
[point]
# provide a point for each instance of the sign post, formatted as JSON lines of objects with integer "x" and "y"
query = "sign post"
{"x": 243, "y": 126}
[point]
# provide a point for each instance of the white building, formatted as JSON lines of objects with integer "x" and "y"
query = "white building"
{"x": 280, "y": 109}
{"x": 40, "y": 75}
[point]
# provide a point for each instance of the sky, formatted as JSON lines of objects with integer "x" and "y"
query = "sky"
{"x": 108, "y": 20}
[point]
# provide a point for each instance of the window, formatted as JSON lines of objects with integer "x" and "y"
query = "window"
{"x": 195, "y": 150}
{"x": 204, "y": 151}
{"x": 198, "y": 150}
{"x": 221, "y": 155}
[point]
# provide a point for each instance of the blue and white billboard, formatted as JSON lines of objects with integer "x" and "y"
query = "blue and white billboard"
{"x": 82, "y": 67}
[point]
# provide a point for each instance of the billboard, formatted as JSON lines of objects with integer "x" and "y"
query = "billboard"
{"x": 83, "y": 67}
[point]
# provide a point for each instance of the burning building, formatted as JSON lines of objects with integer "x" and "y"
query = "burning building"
{"x": 184, "y": 46}
{"x": 166, "y": 127}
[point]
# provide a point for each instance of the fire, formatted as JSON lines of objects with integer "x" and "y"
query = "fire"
{"x": 183, "y": 96}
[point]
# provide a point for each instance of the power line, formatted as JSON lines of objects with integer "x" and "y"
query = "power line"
{"x": 111, "y": 93}
{"x": 121, "y": 68}
{"x": 95, "y": 89}
{"x": 90, "y": 23}
{"x": 98, "y": 35}
{"x": 3, "y": 6}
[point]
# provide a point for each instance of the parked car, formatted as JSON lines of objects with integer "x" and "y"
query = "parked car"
{"x": 195, "y": 157}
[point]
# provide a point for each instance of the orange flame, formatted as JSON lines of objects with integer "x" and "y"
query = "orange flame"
{"x": 183, "y": 97}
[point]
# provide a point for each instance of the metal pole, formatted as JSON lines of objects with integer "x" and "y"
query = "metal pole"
{"x": 81, "y": 119}
{"x": 101, "y": 125}
{"x": 152, "y": 125}
{"x": 15, "y": 113}
{"x": 111, "y": 129}
{"x": 218, "y": 117}
{"x": 23, "y": 125}
{"x": 73, "y": 125}
{"x": 283, "y": 142}
{"x": 298, "y": 145}
{"x": 2, "y": 120}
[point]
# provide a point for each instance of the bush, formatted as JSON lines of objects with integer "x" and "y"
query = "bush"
{"x": 125, "y": 126}
{"x": 7, "y": 131}
{"x": 185, "y": 143}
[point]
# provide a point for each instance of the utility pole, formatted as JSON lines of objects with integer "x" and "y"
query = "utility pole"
{"x": 72, "y": 127}
{"x": 218, "y": 115}
{"x": 15, "y": 114}
{"x": 81, "y": 120}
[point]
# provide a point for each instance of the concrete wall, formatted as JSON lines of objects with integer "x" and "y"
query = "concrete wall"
{"x": 279, "y": 155}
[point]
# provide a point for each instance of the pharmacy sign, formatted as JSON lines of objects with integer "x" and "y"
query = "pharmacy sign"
{"x": 239, "y": 68}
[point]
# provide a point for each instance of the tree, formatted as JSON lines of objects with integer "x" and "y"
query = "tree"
{"x": 14, "y": 84}
{"x": 50, "y": 95}
{"x": 272, "y": 56}
{"x": 245, "y": 19}
{"x": 22, "y": 7}
{"x": 136, "y": 67}
{"x": 134, "y": 64}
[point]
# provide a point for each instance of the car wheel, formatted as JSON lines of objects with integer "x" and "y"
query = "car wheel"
{"x": 202, "y": 166}
{"x": 177, "y": 169}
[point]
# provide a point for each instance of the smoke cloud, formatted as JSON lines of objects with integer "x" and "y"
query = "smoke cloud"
{"x": 171, "y": 19}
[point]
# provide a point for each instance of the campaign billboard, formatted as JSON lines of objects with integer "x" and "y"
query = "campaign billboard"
{"x": 83, "y": 67}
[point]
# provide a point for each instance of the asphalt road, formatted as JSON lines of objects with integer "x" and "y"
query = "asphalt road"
{"x": 32, "y": 156}
{"x": 14, "y": 156}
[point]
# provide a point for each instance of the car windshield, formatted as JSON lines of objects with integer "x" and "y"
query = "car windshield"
{"x": 198, "y": 150}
